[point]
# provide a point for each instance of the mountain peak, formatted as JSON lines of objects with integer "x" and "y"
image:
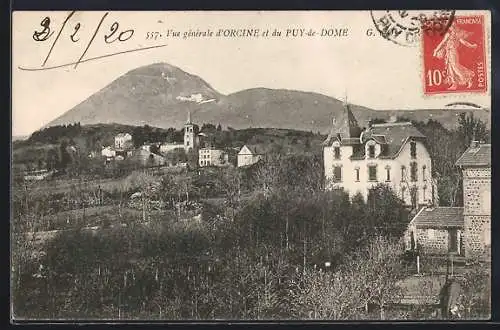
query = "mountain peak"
{"x": 161, "y": 95}
{"x": 155, "y": 69}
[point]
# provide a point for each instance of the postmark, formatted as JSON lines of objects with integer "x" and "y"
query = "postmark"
{"x": 455, "y": 62}
{"x": 404, "y": 27}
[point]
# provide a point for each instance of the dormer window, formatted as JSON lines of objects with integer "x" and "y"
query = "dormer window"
{"x": 371, "y": 151}
{"x": 336, "y": 152}
{"x": 413, "y": 149}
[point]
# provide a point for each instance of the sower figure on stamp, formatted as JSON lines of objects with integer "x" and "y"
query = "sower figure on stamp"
{"x": 456, "y": 73}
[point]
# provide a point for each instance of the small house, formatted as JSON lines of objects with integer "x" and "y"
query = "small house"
{"x": 437, "y": 230}
{"x": 123, "y": 141}
{"x": 108, "y": 152}
{"x": 250, "y": 154}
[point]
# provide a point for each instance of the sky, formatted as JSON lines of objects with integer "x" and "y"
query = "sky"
{"x": 368, "y": 70}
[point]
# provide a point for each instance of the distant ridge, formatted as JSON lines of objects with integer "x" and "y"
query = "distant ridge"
{"x": 161, "y": 95}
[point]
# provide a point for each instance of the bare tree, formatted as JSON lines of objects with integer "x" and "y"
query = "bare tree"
{"x": 371, "y": 278}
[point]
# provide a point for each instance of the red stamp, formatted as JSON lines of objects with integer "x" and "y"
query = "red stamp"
{"x": 455, "y": 61}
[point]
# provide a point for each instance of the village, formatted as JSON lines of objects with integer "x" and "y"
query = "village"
{"x": 355, "y": 160}
{"x": 440, "y": 243}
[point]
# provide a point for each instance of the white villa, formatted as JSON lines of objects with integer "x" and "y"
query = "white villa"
{"x": 391, "y": 153}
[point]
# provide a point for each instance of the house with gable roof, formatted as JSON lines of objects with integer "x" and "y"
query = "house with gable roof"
{"x": 250, "y": 154}
{"x": 392, "y": 153}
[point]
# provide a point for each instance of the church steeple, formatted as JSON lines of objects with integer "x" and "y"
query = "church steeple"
{"x": 189, "y": 118}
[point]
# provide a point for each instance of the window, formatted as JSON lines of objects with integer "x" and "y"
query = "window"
{"x": 403, "y": 173}
{"x": 452, "y": 240}
{"x": 413, "y": 172}
{"x": 423, "y": 173}
{"x": 387, "y": 173}
{"x": 413, "y": 149}
{"x": 356, "y": 170}
{"x": 371, "y": 151}
{"x": 337, "y": 152}
{"x": 414, "y": 197}
{"x": 372, "y": 173}
{"x": 337, "y": 174}
{"x": 424, "y": 189}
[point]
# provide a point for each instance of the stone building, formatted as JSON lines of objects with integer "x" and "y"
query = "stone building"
{"x": 212, "y": 157}
{"x": 475, "y": 164}
{"x": 462, "y": 230}
{"x": 437, "y": 230}
{"x": 392, "y": 153}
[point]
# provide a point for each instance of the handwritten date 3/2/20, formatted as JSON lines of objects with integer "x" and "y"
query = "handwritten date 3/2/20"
{"x": 114, "y": 34}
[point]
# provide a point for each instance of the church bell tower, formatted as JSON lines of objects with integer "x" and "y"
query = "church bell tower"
{"x": 189, "y": 134}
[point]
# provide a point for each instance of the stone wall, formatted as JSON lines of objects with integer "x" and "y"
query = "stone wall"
{"x": 477, "y": 210}
{"x": 432, "y": 240}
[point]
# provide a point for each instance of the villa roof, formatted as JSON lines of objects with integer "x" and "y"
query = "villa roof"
{"x": 395, "y": 136}
{"x": 476, "y": 155}
{"x": 439, "y": 217}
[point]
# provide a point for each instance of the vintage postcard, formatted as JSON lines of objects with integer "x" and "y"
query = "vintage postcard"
{"x": 251, "y": 165}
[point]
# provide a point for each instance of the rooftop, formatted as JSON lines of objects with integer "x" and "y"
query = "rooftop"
{"x": 256, "y": 149}
{"x": 439, "y": 217}
{"x": 395, "y": 135}
{"x": 476, "y": 155}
